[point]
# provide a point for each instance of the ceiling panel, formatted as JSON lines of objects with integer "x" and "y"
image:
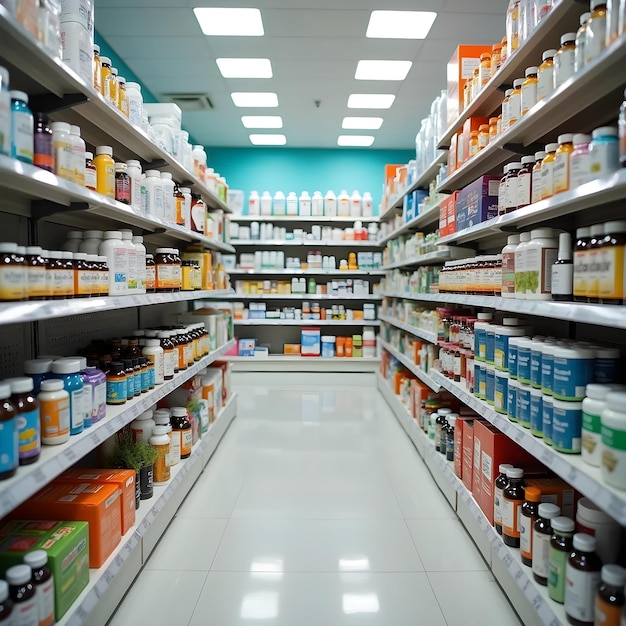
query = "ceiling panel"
{"x": 310, "y": 23}
{"x": 155, "y": 22}
{"x": 149, "y": 47}
{"x": 468, "y": 27}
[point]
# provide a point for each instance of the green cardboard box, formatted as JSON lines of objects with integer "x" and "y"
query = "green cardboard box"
{"x": 67, "y": 545}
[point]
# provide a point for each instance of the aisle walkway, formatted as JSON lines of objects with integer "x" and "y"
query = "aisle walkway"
{"x": 315, "y": 511}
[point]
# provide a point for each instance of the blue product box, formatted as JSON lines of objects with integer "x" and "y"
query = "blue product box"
{"x": 408, "y": 208}
{"x": 419, "y": 195}
{"x": 478, "y": 202}
{"x": 246, "y": 347}
{"x": 311, "y": 342}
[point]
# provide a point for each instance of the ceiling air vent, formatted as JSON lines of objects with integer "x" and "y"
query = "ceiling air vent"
{"x": 190, "y": 101}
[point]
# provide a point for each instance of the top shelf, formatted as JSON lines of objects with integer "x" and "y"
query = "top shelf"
{"x": 33, "y": 69}
{"x": 563, "y": 18}
{"x": 304, "y": 219}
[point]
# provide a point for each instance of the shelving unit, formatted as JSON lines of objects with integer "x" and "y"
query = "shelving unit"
{"x": 280, "y": 362}
{"x": 427, "y": 218}
{"x": 413, "y": 330}
{"x": 313, "y": 272}
{"x": 437, "y": 257}
{"x": 323, "y": 297}
{"x": 285, "y": 322}
{"x": 309, "y": 243}
{"x": 305, "y": 219}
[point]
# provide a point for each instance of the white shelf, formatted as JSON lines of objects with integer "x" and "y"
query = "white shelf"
{"x": 422, "y": 181}
{"x": 31, "y": 65}
{"x": 100, "y": 579}
{"x": 431, "y": 216}
{"x": 583, "y": 477}
{"x": 317, "y": 272}
{"x": 56, "y": 459}
{"x": 281, "y": 363}
{"x": 412, "y": 367}
{"x": 310, "y": 243}
{"x": 549, "y": 612}
{"x": 20, "y": 312}
{"x": 413, "y": 330}
{"x": 78, "y": 206}
{"x": 439, "y": 256}
{"x": 284, "y": 322}
{"x": 300, "y": 297}
{"x": 302, "y": 219}
{"x": 597, "y": 314}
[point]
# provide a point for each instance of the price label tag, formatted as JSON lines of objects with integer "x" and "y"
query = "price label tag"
{"x": 70, "y": 455}
{"x": 95, "y": 437}
{"x": 110, "y": 428}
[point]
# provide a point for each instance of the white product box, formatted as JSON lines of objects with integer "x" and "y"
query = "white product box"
{"x": 229, "y": 261}
{"x": 77, "y": 50}
{"x": 246, "y": 347}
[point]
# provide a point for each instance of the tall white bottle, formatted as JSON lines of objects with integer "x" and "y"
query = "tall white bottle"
{"x": 330, "y": 204}
{"x": 305, "y": 204}
{"x": 254, "y": 203}
{"x": 317, "y": 204}
{"x": 343, "y": 204}
{"x": 279, "y": 204}
{"x": 367, "y": 205}
{"x": 292, "y": 203}
{"x": 266, "y": 203}
{"x": 355, "y": 205}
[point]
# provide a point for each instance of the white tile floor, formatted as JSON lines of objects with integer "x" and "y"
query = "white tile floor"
{"x": 316, "y": 510}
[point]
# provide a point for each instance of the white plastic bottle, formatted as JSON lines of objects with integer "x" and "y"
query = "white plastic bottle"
{"x": 131, "y": 277}
{"x": 520, "y": 266}
{"x": 279, "y": 205}
{"x": 135, "y": 103}
{"x": 73, "y": 241}
{"x": 91, "y": 242}
{"x": 5, "y": 113}
{"x": 317, "y": 204}
{"x": 508, "y": 266}
{"x": 356, "y": 210}
{"x": 154, "y": 352}
{"x": 254, "y": 203}
{"x": 304, "y": 204}
{"x": 141, "y": 263}
{"x": 186, "y": 191}
{"x": 78, "y": 150}
{"x": 134, "y": 173}
{"x": 367, "y": 205}
{"x": 169, "y": 206}
{"x": 291, "y": 203}
{"x": 116, "y": 253}
{"x": 266, "y": 203}
{"x": 154, "y": 194}
{"x": 540, "y": 255}
{"x": 330, "y": 204}
{"x": 343, "y": 204}
{"x": 63, "y": 150}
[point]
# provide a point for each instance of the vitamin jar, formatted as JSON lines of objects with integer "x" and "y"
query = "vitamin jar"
{"x": 581, "y": 39}
{"x": 547, "y": 171}
{"x": 604, "y": 151}
{"x": 613, "y": 452}
{"x": 545, "y": 75}
{"x": 572, "y": 372}
{"x": 562, "y": 163}
{"x": 515, "y": 101}
{"x": 595, "y": 34}
{"x": 484, "y": 69}
{"x": 564, "y": 59}
{"x": 168, "y": 274}
{"x": 536, "y": 184}
{"x": 579, "y": 161}
{"x": 567, "y": 426}
{"x": 529, "y": 90}
{"x": 595, "y": 522}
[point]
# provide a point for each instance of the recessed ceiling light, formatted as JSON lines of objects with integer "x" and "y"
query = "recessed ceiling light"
{"x": 400, "y": 24}
{"x": 254, "y": 99}
{"x": 355, "y": 140}
{"x": 382, "y": 70}
{"x": 362, "y": 123}
{"x": 370, "y": 101}
{"x": 245, "y": 68}
{"x": 221, "y": 22}
{"x": 268, "y": 140}
{"x": 262, "y": 121}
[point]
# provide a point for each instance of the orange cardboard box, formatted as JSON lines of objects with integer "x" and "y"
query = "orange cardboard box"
{"x": 451, "y": 206}
{"x": 461, "y": 68}
{"x": 391, "y": 171}
{"x": 291, "y": 348}
{"x": 556, "y": 491}
{"x": 98, "y": 504}
{"x": 495, "y": 448}
{"x": 471, "y": 123}
{"x": 420, "y": 395}
{"x": 459, "y": 452}
{"x": 124, "y": 479}
{"x": 443, "y": 218}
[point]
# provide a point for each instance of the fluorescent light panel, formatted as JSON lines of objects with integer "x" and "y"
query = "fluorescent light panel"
{"x": 262, "y": 121}
{"x": 263, "y": 99}
{"x": 370, "y": 101}
{"x": 362, "y": 123}
{"x": 400, "y": 24}
{"x": 268, "y": 140}
{"x": 361, "y": 141}
{"x": 245, "y": 68}
{"x": 228, "y": 22}
{"x": 382, "y": 70}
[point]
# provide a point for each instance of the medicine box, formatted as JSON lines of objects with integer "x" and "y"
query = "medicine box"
{"x": 291, "y": 348}
{"x": 409, "y": 210}
{"x": 226, "y": 367}
{"x": 443, "y": 219}
{"x": 556, "y": 491}
{"x": 261, "y": 352}
{"x": 477, "y": 202}
{"x": 311, "y": 342}
{"x": 451, "y": 207}
{"x": 257, "y": 310}
{"x": 97, "y": 504}
{"x": 459, "y": 451}
{"x": 67, "y": 545}
{"x": 365, "y": 260}
{"x": 246, "y": 347}
{"x": 124, "y": 479}
{"x": 471, "y": 124}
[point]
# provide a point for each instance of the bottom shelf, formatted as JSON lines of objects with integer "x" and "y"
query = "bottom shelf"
{"x": 530, "y": 599}
{"x": 101, "y": 580}
{"x": 295, "y": 363}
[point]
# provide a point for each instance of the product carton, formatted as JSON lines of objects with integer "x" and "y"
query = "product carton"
{"x": 468, "y": 455}
{"x": 556, "y": 491}
{"x": 471, "y": 124}
{"x": 477, "y": 202}
{"x": 67, "y": 545}
{"x": 495, "y": 448}
{"x": 124, "y": 479}
{"x": 451, "y": 206}
{"x": 311, "y": 342}
{"x": 420, "y": 393}
{"x": 459, "y": 451}
{"x": 226, "y": 368}
{"x": 97, "y": 504}
{"x": 443, "y": 219}
{"x": 246, "y": 347}
{"x": 461, "y": 68}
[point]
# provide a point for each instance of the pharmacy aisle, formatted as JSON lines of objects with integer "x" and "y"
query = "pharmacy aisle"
{"x": 315, "y": 509}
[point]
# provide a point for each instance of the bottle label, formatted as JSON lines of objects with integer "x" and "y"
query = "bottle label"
{"x": 5, "y": 121}
{"x": 9, "y": 445}
{"x": 45, "y": 602}
{"x": 561, "y": 172}
{"x": 98, "y": 410}
{"x": 116, "y": 391}
{"x": 150, "y": 277}
{"x": 563, "y": 66}
{"x": 526, "y": 536}
{"x": 581, "y": 269}
{"x": 91, "y": 179}
{"x": 12, "y": 282}
{"x": 29, "y": 437}
{"x": 580, "y": 169}
{"x": 607, "y": 614}
{"x": 64, "y": 159}
{"x": 37, "y": 283}
{"x": 611, "y": 273}
{"x": 170, "y": 361}
{"x": 186, "y": 442}
{"x": 26, "y": 613}
{"x": 508, "y": 273}
{"x": 122, "y": 189}
{"x": 168, "y": 276}
{"x": 595, "y": 39}
{"x": 541, "y": 554}
{"x": 537, "y": 186}
{"x": 556, "y": 575}
{"x": 510, "y": 517}
{"x": 547, "y": 180}
{"x": 545, "y": 82}
{"x": 83, "y": 282}
{"x": 580, "y": 593}
{"x": 497, "y": 505}
{"x": 132, "y": 269}
{"x": 159, "y": 201}
{"x": 23, "y": 136}
{"x": 562, "y": 279}
{"x": 529, "y": 95}
{"x": 175, "y": 450}
{"x": 539, "y": 262}
{"x": 77, "y": 411}
{"x": 55, "y": 417}
{"x": 524, "y": 189}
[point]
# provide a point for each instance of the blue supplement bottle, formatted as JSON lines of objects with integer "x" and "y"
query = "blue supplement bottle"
{"x": 28, "y": 422}
{"x": 22, "y": 128}
{"x": 68, "y": 370}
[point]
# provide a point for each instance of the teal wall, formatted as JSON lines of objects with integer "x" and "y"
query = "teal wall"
{"x": 299, "y": 169}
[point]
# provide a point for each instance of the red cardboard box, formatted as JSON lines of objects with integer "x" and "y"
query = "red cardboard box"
{"x": 495, "y": 448}
{"x": 443, "y": 218}
{"x": 468, "y": 454}
{"x": 451, "y": 210}
{"x": 459, "y": 426}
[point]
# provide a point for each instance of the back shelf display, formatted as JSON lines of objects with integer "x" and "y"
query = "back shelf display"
{"x": 315, "y": 260}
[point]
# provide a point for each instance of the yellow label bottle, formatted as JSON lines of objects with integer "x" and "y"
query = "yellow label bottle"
{"x": 547, "y": 171}
{"x": 97, "y": 69}
{"x": 529, "y": 90}
{"x": 105, "y": 64}
{"x": 105, "y": 171}
{"x": 545, "y": 75}
{"x": 561, "y": 163}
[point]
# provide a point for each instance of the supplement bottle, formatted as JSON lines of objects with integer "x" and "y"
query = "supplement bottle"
{"x": 505, "y": 110}
{"x": 68, "y": 371}
{"x": 154, "y": 352}
{"x": 117, "y": 385}
{"x": 547, "y": 171}
{"x": 5, "y": 113}
{"x": 612, "y": 276}
{"x": 529, "y": 89}
{"x": 22, "y": 128}
{"x": 594, "y": 266}
{"x": 131, "y": 279}
{"x": 38, "y": 370}
{"x": 36, "y": 274}
{"x": 595, "y": 522}
{"x": 160, "y": 441}
{"x": 563, "y": 271}
{"x": 610, "y": 599}
{"x": 6, "y": 605}
{"x": 72, "y": 243}
{"x": 581, "y": 264}
{"x": 155, "y": 201}
{"x": 560, "y": 548}
{"x": 513, "y": 499}
{"x": 95, "y": 391}
{"x": 54, "y": 410}
{"x": 545, "y": 75}
{"x": 137, "y": 241}
{"x": 170, "y": 357}
{"x": 595, "y": 34}
{"x": 122, "y": 99}
{"x": 580, "y": 163}
{"x": 43, "y": 155}
{"x": 78, "y": 151}
{"x": 105, "y": 64}
{"x": 603, "y": 152}
{"x": 581, "y": 38}
{"x": 562, "y": 163}
{"x": 439, "y": 422}
{"x": 28, "y": 419}
{"x": 169, "y": 205}
{"x": 593, "y": 406}
{"x": 564, "y": 59}
{"x": 515, "y": 102}
{"x": 13, "y": 281}
{"x": 536, "y": 185}
{"x": 181, "y": 428}
{"x": 116, "y": 253}
{"x": 142, "y": 427}
{"x": 63, "y": 151}
{"x": 613, "y": 453}
{"x": 542, "y": 533}
{"x": 9, "y": 425}
{"x": 528, "y": 517}
{"x": 43, "y": 581}
{"x": 105, "y": 171}
{"x": 122, "y": 183}
{"x": 97, "y": 69}
{"x": 91, "y": 242}
{"x": 135, "y": 103}
{"x": 520, "y": 266}
{"x": 133, "y": 169}
{"x": 582, "y": 578}
{"x": 129, "y": 370}
{"x": 512, "y": 27}
{"x": 91, "y": 173}
{"x": 524, "y": 182}
{"x": 22, "y": 593}
{"x": 508, "y": 266}
{"x": 162, "y": 418}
